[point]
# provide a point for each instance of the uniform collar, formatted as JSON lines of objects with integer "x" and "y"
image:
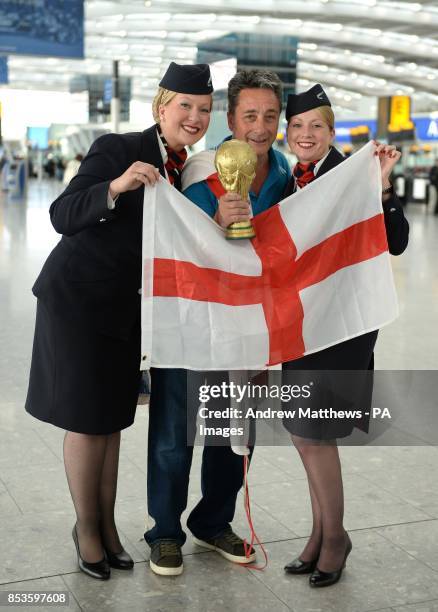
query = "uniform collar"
{"x": 321, "y": 161}
{"x": 162, "y": 148}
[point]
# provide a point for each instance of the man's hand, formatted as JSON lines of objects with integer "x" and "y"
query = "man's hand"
{"x": 232, "y": 209}
{"x": 135, "y": 176}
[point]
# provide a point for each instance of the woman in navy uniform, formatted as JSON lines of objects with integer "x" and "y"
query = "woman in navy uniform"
{"x": 85, "y": 372}
{"x": 310, "y": 135}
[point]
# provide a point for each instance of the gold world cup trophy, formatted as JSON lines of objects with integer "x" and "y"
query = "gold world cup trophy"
{"x": 236, "y": 164}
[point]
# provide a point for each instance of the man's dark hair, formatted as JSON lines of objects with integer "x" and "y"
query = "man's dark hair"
{"x": 253, "y": 79}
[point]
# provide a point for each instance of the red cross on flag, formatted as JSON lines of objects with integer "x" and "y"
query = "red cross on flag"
{"x": 317, "y": 273}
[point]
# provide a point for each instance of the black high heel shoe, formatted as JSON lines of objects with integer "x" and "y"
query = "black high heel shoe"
{"x": 100, "y": 570}
{"x": 121, "y": 560}
{"x": 323, "y": 579}
{"x": 297, "y": 566}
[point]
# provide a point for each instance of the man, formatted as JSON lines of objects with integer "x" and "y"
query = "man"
{"x": 255, "y": 100}
{"x": 254, "y": 107}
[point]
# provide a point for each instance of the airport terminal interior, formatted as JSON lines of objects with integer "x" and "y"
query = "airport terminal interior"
{"x": 62, "y": 63}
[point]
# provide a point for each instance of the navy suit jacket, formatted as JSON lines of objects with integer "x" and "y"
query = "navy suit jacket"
{"x": 94, "y": 272}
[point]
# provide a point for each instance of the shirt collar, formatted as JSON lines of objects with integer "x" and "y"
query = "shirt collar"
{"x": 274, "y": 167}
{"x": 274, "y": 162}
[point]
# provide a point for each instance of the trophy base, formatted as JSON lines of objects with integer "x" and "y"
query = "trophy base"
{"x": 240, "y": 231}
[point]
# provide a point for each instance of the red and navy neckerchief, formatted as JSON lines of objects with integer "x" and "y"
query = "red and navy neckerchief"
{"x": 304, "y": 173}
{"x": 175, "y": 162}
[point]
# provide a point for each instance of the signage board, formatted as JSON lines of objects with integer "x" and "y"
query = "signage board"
{"x": 42, "y": 27}
{"x": 426, "y": 128}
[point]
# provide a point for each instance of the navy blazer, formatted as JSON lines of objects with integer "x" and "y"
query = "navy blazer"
{"x": 397, "y": 226}
{"x": 94, "y": 272}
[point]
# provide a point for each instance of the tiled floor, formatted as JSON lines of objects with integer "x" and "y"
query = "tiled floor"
{"x": 391, "y": 492}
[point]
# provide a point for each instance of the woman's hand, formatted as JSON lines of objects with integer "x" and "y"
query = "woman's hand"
{"x": 232, "y": 209}
{"x": 388, "y": 157}
{"x": 135, "y": 176}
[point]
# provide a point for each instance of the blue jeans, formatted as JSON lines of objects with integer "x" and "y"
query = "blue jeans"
{"x": 172, "y": 416}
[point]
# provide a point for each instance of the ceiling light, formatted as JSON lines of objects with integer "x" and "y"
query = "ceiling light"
{"x": 158, "y": 33}
{"x": 120, "y": 33}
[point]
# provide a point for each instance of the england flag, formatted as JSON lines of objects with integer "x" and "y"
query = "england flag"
{"x": 317, "y": 273}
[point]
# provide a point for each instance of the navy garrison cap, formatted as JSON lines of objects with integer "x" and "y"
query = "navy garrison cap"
{"x": 189, "y": 79}
{"x": 300, "y": 103}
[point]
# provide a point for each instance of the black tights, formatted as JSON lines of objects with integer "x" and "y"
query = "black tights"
{"x": 328, "y": 539}
{"x": 91, "y": 465}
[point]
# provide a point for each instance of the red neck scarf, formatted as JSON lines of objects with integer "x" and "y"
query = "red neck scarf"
{"x": 304, "y": 173}
{"x": 175, "y": 162}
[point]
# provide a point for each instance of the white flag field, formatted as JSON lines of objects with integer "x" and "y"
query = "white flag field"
{"x": 317, "y": 273}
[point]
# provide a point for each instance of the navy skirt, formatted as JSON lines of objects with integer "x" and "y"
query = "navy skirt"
{"x": 342, "y": 379}
{"x": 80, "y": 380}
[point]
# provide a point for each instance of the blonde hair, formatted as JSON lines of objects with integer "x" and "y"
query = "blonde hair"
{"x": 162, "y": 97}
{"x": 327, "y": 115}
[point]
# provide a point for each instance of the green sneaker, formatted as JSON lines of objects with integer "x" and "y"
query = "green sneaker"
{"x": 166, "y": 558}
{"x": 229, "y": 545}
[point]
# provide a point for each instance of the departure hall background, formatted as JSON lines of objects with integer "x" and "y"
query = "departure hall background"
{"x": 72, "y": 70}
